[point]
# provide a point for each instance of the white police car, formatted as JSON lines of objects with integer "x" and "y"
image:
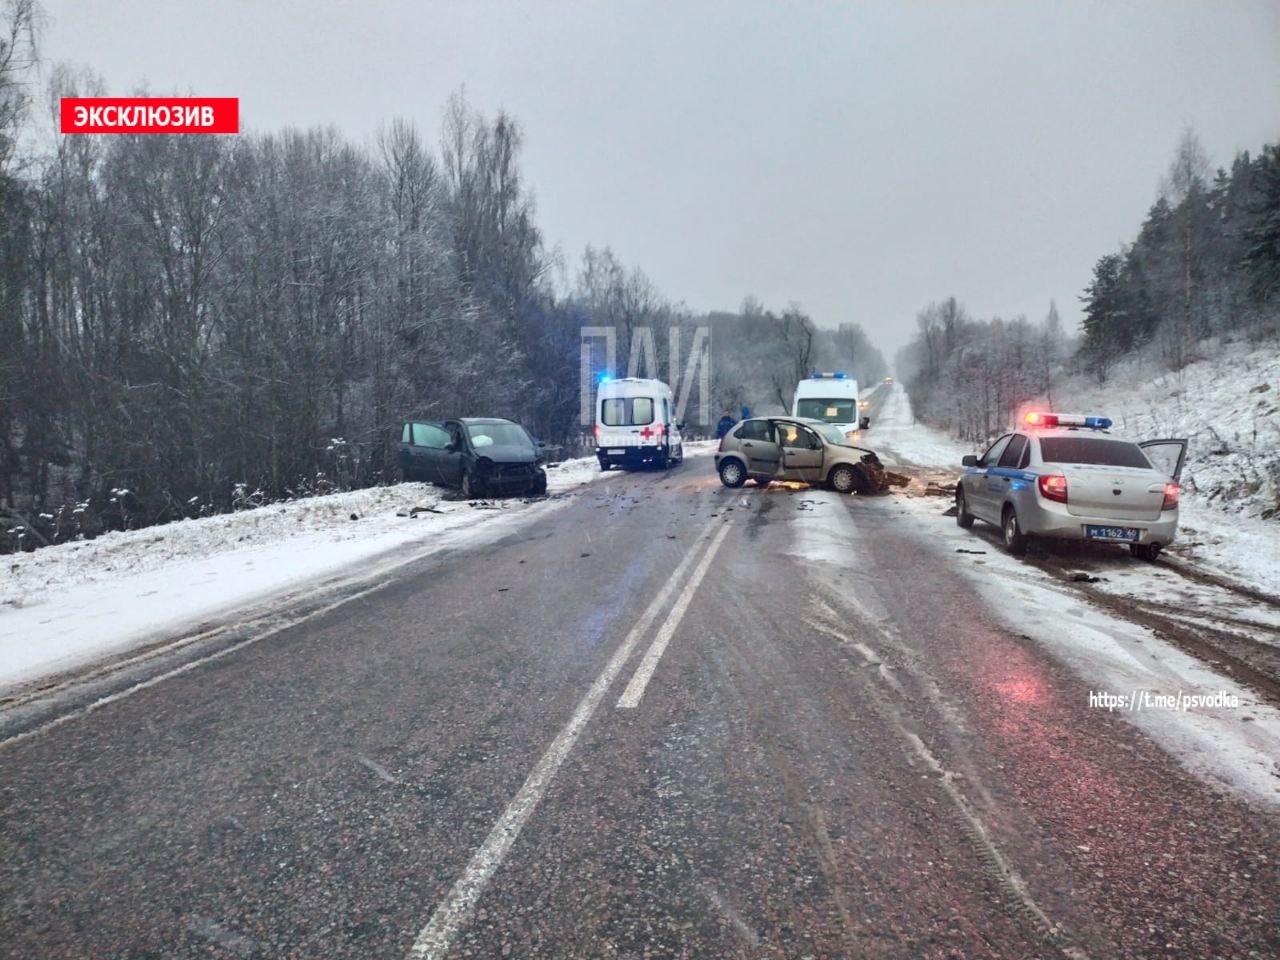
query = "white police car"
{"x": 1064, "y": 476}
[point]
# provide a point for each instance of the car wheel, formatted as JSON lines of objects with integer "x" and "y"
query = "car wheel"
{"x": 679, "y": 458}
{"x": 1145, "y": 551}
{"x": 1015, "y": 540}
{"x": 843, "y": 479}
{"x": 604, "y": 466}
{"x": 664, "y": 461}
{"x": 733, "y": 473}
{"x": 963, "y": 517}
{"x": 471, "y": 488}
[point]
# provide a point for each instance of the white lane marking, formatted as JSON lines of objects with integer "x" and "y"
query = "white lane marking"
{"x": 1013, "y": 880}
{"x": 377, "y": 770}
{"x": 434, "y": 939}
{"x": 630, "y": 698}
{"x": 185, "y": 668}
{"x": 867, "y": 653}
{"x": 734, "y": 917}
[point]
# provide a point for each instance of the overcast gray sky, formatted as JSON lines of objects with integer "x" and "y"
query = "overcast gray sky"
{"x": 862, "y": 159}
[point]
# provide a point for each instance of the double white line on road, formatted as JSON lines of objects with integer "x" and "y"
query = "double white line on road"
{"x": 630, "y": 698}
{"x": 434, "y": 939}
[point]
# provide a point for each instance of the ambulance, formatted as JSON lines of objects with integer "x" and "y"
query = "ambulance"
{"x": 635, "y": 424}
{"x": 831, "y": 398}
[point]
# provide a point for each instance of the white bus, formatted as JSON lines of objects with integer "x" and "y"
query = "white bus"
{"x": 831, "y": 398}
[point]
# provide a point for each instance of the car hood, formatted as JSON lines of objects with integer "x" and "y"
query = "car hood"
{"x": 507, "y": 453}
{"x": 841, "y": 447}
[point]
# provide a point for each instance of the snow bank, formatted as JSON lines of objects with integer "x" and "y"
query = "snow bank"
{"x": 1227, "y": 405}
{"x": 67, "y": 605}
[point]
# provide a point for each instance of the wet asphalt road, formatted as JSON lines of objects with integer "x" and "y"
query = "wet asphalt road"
{"x": 841, "y": 753}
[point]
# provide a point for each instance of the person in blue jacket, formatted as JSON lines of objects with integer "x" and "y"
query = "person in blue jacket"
{"x": 724, "y": 425}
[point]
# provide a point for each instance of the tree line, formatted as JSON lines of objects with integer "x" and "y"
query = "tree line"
{"x": 970, "y": 376}
{"x": 184, "y": 314}
{"x": 189, "y": 324}
{"x": 773, "y": 350}
{"x": 1205, "y": 264}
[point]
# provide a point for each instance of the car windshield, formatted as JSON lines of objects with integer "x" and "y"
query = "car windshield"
{"x": 1099, "y": 450}
{"x": 830, "y": 433}
{"x": 829, "y": 411}
{"x": 498, "y": 434}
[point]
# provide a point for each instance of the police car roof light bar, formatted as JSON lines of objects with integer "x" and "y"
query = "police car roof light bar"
{"x": 1038, "y": 419}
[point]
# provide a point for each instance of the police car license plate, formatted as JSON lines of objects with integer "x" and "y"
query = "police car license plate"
{"x": 1125, "y": 534}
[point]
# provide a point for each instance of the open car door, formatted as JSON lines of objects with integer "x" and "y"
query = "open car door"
{"x": 1166, "y": 455}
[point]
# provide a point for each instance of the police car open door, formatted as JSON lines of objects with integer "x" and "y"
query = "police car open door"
{"x": 1166, "y": 455}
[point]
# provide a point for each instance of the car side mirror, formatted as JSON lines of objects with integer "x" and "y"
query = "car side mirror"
{"x": 969, "y": 461}
{"x": 451, "y": 447}
{"x": 864, "y": 423}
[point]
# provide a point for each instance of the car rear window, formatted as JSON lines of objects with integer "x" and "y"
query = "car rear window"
{"x": 1110, "y": 453}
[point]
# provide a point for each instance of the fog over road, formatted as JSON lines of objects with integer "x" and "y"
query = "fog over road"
{"x": 840, "y": 750}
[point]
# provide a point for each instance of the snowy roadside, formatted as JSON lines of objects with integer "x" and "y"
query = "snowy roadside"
{"x": 1237, "y": 745}
{"x": 1237, "y": 544}
{"x": 1228, "y": 408}
{"x": 68, "y": 605}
